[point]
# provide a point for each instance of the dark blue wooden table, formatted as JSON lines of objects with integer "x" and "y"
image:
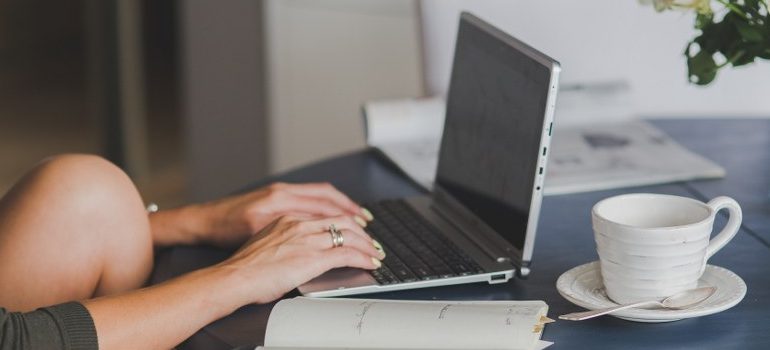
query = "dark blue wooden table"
{"x": 565, "y": 240}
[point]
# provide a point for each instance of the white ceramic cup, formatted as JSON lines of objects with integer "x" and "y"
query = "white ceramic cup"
{"x": 652, "y": 246}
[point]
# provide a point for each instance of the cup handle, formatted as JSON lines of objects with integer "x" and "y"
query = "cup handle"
{"x": 732, "y": 227}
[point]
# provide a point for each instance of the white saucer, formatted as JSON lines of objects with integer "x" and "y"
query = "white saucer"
{"x": 583, "y": 286}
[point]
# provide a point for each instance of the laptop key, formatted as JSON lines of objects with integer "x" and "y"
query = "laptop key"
{"x": 445, "y": 272}
{"x": 425, "y": 274}
{"x": 379, "y": 276}
{"x": 414, "y": 251}
{"x": 398, "y": 268}
{"x": 461, "y": 269}
{"x": 384, "y": 276}
{"x": 400, "y": 271}
{"x": 389, "y": 275}
{"x": 420, "y": 269}
{"x": 395, "y": 246}
{"x": 403, "y": 275}
{"x": 456, "y": 258}
{"x": 424, "y": 252}
{"x": 424, "y": 263}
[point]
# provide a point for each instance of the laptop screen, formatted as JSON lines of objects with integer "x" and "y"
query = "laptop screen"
{"x": 494, "y": 121}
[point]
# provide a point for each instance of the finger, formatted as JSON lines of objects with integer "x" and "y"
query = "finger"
{"x": 292, "y": 202}
{"x": 303, "y": 216}
{"x": 323, "y": 240}
{"x": 326, "y": 191}
{"x": 348, "y": 257}
{"x": 350, "y": 229}
{"x": 340, "y": 222}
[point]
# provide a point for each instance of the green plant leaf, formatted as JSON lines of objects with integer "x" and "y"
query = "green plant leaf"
{"x": 740, "y": 35}
{"x": 720, "y": 36}
{"x": 702, "y": 69}
{"x": 702, "y": 20}
{"x": 748, "y": 32}
{"x": 741, "y": 58}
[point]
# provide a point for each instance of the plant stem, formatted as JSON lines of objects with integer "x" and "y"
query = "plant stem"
{"x": 732, "y": 59}
{"x": 733, "y": 8}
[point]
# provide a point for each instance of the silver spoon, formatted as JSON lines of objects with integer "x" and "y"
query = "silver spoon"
{"x": 679, "y": 300}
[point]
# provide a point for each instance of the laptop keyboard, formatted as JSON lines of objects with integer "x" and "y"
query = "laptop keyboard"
{"x": 415, "y": 249}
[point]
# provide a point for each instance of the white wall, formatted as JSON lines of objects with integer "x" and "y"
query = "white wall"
{"x": 324, "y": 60}
{"x": 605, "y": 40}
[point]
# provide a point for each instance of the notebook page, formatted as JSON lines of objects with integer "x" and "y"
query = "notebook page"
{"x": 367, "y": 324}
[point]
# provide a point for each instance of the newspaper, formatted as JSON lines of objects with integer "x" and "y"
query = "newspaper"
{"x": 582, "y": 157}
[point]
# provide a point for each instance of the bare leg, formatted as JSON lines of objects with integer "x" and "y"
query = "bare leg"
{"x": 73, "y": 228}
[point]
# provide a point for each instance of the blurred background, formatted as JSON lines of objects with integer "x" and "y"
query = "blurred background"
{"x": 59, "y": 88}
{"x": 197, "y": 98}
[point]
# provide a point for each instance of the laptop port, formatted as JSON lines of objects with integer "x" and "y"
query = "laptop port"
{"x": 498, "y": 278}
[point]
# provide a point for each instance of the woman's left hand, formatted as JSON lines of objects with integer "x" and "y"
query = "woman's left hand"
{"x": 232, "y": 220}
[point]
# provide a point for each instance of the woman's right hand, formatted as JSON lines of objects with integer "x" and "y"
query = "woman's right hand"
{"x": 293, "y": 250}
{"x": 288, "y": 252}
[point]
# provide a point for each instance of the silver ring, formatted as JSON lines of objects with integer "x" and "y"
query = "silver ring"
{"x": 337, "y": 239}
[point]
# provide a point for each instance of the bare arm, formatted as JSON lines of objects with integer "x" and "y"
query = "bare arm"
{"x": 164, "y": 315}
{"x": 287, "y": 253}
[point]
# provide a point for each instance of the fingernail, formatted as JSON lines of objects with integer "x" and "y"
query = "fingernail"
{"x": 376, "y": 262}
{"x": 378, "y": 246}
{"x": 359, "y": 220}
{"x": 367, "y": 214}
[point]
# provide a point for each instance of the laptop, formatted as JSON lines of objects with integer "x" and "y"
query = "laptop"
{"x": 479, "y": 222}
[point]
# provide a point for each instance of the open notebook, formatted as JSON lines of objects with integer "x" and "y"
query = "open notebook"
{"x": 310, "y": 323}
{"x": 582, "y": 157}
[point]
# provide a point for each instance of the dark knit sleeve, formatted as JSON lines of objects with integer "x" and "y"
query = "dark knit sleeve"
{"x": 65, "y": 326}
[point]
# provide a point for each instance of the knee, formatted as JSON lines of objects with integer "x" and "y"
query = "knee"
{"x": 80, "y": 169}
{"x": 91, "y": 187}
{"x": 105, "y": 194}
{"x": 87, "y": 182}
{"x": 91, "y": 207}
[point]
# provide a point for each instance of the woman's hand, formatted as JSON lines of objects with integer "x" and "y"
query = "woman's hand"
{"x": 231, "y": 221}
{"x": 237, "y": 218}
{"x": 287, "y": 253}
{"x": 291, "y": 251}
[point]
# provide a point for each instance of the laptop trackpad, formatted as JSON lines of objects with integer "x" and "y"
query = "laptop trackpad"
{"x": 345, "y": 277}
